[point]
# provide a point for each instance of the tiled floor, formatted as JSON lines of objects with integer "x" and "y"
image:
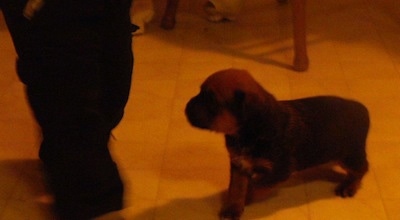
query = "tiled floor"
{"x": 173, "y": 171}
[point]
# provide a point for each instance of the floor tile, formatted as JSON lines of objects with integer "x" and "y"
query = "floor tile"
{"x": 387, "y": 179}
{"x": 347, "y": 208}
{"x": 392, "y": 209}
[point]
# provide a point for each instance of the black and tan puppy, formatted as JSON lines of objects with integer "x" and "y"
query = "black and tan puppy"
{"x": 268, "y": 139}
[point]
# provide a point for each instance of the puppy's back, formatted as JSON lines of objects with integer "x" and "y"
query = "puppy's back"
{"x": 331, "y": 109}
{"x": 334, "y": 128}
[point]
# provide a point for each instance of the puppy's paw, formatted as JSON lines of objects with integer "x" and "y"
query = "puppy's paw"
{"x": 232, "y": 212}
{"x": 347, "y": 189}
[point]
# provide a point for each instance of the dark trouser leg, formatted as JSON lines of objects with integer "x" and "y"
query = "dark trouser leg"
{"x": 77, "y": 72}
{"x": 80, "y": 170}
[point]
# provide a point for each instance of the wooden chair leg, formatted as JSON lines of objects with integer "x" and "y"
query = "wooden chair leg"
{"x": 300, "y": 62}
{"x": 168, "y": 20}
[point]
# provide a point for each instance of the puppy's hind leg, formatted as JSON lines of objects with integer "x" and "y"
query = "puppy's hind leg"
{"x": 356, "y": 168}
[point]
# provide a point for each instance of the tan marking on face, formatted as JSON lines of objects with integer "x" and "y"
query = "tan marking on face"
{"x": 225, "y": 123}
{"x": 244, "y": 163}
{"x": 267, "y": 164}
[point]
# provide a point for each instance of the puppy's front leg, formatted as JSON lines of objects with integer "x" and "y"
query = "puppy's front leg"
{"x": 234, "y": 206}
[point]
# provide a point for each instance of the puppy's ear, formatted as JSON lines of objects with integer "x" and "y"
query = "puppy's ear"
{"x": 255, "y": 114}
{"x": 249, "y": 105}
{"x": 244, "y": 103}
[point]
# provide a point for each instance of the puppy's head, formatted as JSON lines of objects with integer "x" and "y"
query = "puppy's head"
{"x": 226, "y": 100}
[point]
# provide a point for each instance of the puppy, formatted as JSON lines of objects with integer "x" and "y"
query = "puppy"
{"x": 267, "y": 140}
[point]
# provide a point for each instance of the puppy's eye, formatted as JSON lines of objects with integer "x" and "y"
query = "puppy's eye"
{"x": 210, "y": 101}
{"x": 208, "y": 97}
{"x": 237, "y": 103}
{"x": 239, "y": 96}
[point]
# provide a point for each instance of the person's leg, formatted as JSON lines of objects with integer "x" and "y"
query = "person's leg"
{"x": 118, "y": 60}
{"x": 77, "y": 73}
{"x": 79, "y": 169}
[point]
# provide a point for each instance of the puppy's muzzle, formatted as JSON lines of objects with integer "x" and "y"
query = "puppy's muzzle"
{"x": 199, "y": 113}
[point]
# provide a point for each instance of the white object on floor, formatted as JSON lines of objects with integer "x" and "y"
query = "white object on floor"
{"x": 142, "y": 12}
{"x": 219, "y": 10}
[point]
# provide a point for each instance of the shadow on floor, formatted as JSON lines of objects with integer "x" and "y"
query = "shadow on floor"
{"x": 291, "y": 194}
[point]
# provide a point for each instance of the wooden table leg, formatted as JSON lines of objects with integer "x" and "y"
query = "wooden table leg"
{"x": 300, "y": 62}
{"x": 168, "y": 20}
